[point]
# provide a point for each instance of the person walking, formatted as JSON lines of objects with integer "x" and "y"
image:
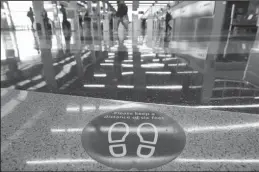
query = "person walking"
{"x": 47, "y": 23}
{"x": 168, "y": 17}
{"x": 122, "y": 14}
{"x": 80, "y": 18}
{"x": 64, "y": 12}
{"x": 31, "y": 16}
{"x": 66, "y": 27}
{"x": 87, "y": 19}
{"x": 48, "y": 27}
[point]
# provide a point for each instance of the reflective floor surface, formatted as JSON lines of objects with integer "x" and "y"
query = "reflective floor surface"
{"x": 130, "y": 66}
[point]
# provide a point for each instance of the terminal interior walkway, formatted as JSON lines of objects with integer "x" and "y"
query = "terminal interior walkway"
{"x": 123, "y": 66}
{"x": 142, "y": 99}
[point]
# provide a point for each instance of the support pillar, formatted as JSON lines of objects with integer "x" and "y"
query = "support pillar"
{"x": 149, "y": 31}
{"x": 76, "y": 28}
{"x": 45, "y": 47}
{"x": 150, "y": 26}
{"x": 58, "y": 30}
{"x": 213, "y": 49}
{"x": 98, "y": 10}
{"x": 139, "y": 78}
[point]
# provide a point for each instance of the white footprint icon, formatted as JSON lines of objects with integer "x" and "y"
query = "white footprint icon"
{"x": 152, "y": 148}
{"x": 110, "y": 140}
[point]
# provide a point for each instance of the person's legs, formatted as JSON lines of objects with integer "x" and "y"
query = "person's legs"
{"x": 32, "y": 21}
{"x": 166, "y": 27}
{"x": 127, "y": 22}
{"x": 67, "y": 40}
{"x": 118, "y": 23}
{"x": 124, "y": 24}
{"x": 81, "y": 25}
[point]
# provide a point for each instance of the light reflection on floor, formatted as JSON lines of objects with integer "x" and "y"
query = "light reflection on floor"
{"x": 135, "y": 72}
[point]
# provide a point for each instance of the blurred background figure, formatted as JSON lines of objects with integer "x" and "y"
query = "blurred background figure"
{"x": 111, "y": 20}
{"x": 87, "y": 19}
{"x": 80, "y": 21}
{"x": 168, "y": 17}
{"x": 64, "y": 12}
{"x": 66, "y": 27}
{"x": 47, "y": 23}
{"x": 122, "y": 14}
{"x": 31, "y": 16}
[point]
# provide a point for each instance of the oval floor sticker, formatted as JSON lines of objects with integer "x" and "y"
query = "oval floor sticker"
{"x": 126, "y": 139}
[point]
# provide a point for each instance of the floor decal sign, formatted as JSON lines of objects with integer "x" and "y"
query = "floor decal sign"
{"x": 139, "y": 139}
